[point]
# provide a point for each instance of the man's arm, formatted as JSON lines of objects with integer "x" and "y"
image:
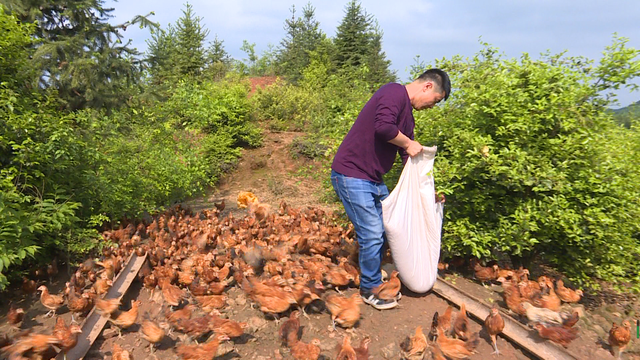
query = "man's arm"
{"x": 412, "y": 147}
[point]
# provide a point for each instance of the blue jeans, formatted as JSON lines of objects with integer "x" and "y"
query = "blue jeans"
{"x": 362, "y": 200}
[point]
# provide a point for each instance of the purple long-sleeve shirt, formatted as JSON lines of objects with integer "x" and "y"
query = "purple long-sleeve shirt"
{"x": 366, "y": 152}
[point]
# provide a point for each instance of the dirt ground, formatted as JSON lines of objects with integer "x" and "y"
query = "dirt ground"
{"x": 273, "y": 175}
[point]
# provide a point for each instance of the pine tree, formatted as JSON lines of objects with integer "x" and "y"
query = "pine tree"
{"x": 190, "y": 35}
{"x": 218, "y": 61}
{"x": 78, "y": 53}
{"x": 358, "y": 43}
{"x": 303, "y": 35}
{"x": 162, "y": 50}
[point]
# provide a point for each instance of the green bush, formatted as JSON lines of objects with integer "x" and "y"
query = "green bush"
{"x": 534, "y": 167}
{"x": 215, "y": 108}
{"x": 286, "y": 107}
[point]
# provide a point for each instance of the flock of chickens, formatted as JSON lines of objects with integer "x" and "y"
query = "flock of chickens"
{"x": 285, "y": 260}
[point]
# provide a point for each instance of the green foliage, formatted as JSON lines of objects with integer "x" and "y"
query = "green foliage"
{"x": 78, "y": 54}
{"x": 533, "y": 166}
{"x": 219, "y": 108}
{"x": 255, "y": 65}
{"x": 286, "y": 106}
{"x": 14, "y": 45}
{"x": 218, "y": 61}
{"x": 303, "y": 36}
{"x": 179, "y": 51}
{"x": 627, "y": 115}
{"x": 190, "y": 35}
{"x": 358, "y": 43}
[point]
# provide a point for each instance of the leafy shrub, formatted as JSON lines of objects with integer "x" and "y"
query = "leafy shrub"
{"x": 527, "y": 156}
{"x": 286, "y": 106}
{"x": 215, "y": 108}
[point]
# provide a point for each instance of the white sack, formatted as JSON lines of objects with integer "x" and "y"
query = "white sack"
{"x": 413, "y": 223}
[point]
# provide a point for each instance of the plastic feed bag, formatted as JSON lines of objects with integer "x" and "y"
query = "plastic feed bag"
{"x": 413, "y": 223}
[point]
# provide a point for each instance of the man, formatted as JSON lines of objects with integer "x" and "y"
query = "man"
{"x": 383, "y": 128}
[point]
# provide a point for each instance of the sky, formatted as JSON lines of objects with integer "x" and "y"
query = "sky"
{"x": 429, "y": 29}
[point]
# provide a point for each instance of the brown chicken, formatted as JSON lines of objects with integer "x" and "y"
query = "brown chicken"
{"x": 195, "y": 327}
{"x": 416, "y": 346}
{"x": 289, "y": 329}
{"x": 78, "y": 304}
{"x": 567, "y": 295}
{"x": 302, "y": 351}
{"x": 28, "y": 286}
{"x": 15, "y": 316}
{"x": 444, "y": 321}
{"x": 571, "y": 320}
{"x": 557, "y": 334}
{"x": 344, "y": 311}
{"x": 461, "y": 324}
{"x": 37, "y": 344}
{"x": 220, "y": 206}
{"x": 337, "y": 277}
{"x": 206, "y": 351}
{"x": 118, "y": 353}
{"x": 494, "y": 324}
{"x": 172, "y": 294}
{"x": 126, "y": 319}
{"x": 52, "y": 269}
{"x": 210, "y": 303}
{"x": 228, "y": 327}
{"x": 456, "y": 348}
{"x": 485, "y": 273}
{"x": 78, "y": 280}
{"x": 174, "y": 317}
{"x": 389, "y": 290}
{"x": 512, "y": 298}
{"x": 260, "y": 210}
{"x": 529, "y": 289}
{"x": 619, "y": 337}
{"x": 51, "y": 302}
{"x": 346, "y": 351}
{"x": 151, "y": 332}
{"x": 102, "y": 285}
{"x": 362, "y": 351}
{"x": 548, "y": 299}
{"x": 67, "y": 335}
{"x": 105, "y": 307}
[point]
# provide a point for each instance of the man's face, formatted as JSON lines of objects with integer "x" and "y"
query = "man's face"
{"x": 428, "y": 97}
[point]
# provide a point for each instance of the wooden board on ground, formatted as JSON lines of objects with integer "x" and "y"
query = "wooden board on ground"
{"x": 513, "y": 329}
{"x": 94, "y": 323}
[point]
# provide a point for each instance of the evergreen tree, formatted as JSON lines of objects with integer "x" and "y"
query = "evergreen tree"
{"x": 303, "y": 35}
{"x": 190, "y": 35}
{"x": 218, "y": 60}
{"x": 162, "y": 50}
{"x": 78, "y": 53}
{"x": 379, "y": 72}
{"x": 358, "y": 43}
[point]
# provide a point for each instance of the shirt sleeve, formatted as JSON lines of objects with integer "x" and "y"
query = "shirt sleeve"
{"x": 402, "y": 152}
{"x": 386, "y": 121}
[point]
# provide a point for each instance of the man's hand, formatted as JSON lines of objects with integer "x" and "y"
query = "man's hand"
{"x": 414, "y": 148}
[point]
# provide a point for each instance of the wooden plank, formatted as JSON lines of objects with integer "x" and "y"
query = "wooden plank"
{"x": 513, "y": 329}
{"x": 94, "y": 323}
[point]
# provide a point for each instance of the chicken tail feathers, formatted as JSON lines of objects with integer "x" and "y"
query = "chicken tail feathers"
{"x": 473, "y": 342}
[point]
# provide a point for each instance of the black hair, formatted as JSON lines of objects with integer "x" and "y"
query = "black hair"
{"x": 440, "y": 78}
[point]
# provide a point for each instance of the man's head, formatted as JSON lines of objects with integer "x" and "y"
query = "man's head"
{"x": 430, "y": 88}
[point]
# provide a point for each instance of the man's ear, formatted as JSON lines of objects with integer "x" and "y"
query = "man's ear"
{"x": 428, "y": 85}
